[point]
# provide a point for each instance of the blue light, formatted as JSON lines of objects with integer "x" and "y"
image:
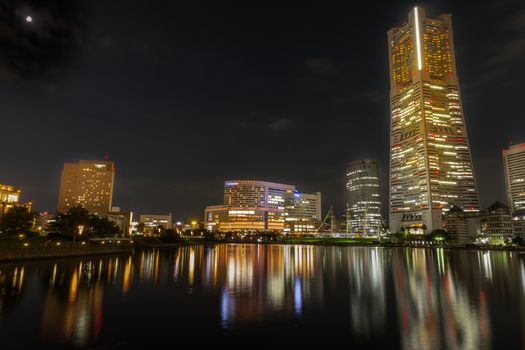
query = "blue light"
{"x": 298, "y": 296}
{"x": 232, "y": 183}
{"x": 297, "y": 195}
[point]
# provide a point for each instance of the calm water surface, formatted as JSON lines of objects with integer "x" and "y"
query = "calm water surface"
{"x": 358, "y": 297}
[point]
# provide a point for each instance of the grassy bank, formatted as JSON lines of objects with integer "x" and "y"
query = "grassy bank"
{"x": 40, "y": 249}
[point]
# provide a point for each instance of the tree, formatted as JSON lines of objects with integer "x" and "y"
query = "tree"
{"x": 17, "y": 220}
{"x": 102, "y": 227}
{"x": 170, "y": 235}
{"x": 94, "y": 226}
{"x": 439, "y": 235}
{"x": 68, "y": 223}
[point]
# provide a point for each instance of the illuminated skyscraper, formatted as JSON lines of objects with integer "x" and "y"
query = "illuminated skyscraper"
{"x": 363, "y": 198}
{"x": 514, "y": 165}
{"x": 87, "y": 183}
{"x": 430, "y": 163}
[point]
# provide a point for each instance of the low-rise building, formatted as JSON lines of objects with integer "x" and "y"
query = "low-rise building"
{"x": 463, "y": 226}
{"x": 223, "y": 218}
{"x": 122, "y": 219}
{"x": 259, "y": 206}
{"x": 302, "y": 212}
{"x": 9, "y": 197}
{"x": 41, "y": 222}
{"x": 497, "y": 225}
{"x": 518, "y": 223}
{"x": 153, "y": 222}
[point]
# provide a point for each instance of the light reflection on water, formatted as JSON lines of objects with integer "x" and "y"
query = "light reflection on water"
{"x": 403, "y": 298}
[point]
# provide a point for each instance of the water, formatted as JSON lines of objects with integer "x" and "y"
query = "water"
{"x": 357, "y": 297}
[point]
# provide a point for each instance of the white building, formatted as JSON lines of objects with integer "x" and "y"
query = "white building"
{"x": 514, "y": 166}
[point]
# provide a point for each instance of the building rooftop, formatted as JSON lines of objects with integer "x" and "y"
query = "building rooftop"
{"x": 497, "y": 205}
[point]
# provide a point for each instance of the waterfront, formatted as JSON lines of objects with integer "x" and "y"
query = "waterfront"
{"x": 406, "y": 298}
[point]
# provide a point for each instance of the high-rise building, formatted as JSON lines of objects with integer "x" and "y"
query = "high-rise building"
{"x": 514, "y": 165}
{"x": 363, "y": 198}
{"x": 430, "y": 162}
{"x": 87, "y": 183}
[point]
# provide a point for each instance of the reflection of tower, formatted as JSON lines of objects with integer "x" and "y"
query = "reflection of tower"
{"x": 367, "y": 286}
{"x": 434, "y": 305}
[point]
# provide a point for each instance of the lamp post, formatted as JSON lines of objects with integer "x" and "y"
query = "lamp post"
{"x": 80, "y": 229}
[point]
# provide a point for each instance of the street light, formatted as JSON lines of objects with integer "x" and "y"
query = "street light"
{"x": 80, "y": 229}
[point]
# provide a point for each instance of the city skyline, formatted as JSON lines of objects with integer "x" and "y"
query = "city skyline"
{"x": 166, "y": 160}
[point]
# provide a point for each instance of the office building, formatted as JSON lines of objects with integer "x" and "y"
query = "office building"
{"x": 514, "y": 166}
{"x": 518, "y": 223}
{"x": 255, "y": 194}
{"x": 256, "y": 206}
{"x": 302, "y": 212}
{"x": 89, "y": 184}
{"x": 363, "y": 199}
{"x": 430, "y": 162}
{"x": 497, "y": 225}
{"x": 463, "y": 227}
{"x": 223, "y": 218}
{"x": 154, "y": 222}
{"x": 122, "y": 219}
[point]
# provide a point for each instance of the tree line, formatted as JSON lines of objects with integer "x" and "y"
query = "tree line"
{"x": 20, "y": 221}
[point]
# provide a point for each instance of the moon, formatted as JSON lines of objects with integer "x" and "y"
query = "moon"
{"x": 29, "y": 19}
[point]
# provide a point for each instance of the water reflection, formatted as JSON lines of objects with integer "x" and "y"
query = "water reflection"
{"x": 406, "y": 298}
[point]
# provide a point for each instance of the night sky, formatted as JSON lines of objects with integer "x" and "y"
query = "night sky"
{"x": 184, "y": 95}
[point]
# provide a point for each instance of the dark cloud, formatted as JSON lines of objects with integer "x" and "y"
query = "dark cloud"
{"x": 324, "y": 67}
{"x": 374, "y": 96}
{"x": 36, "y": 37}
{"x": 263, "y": 121}
{"x": 508, "y": 49}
